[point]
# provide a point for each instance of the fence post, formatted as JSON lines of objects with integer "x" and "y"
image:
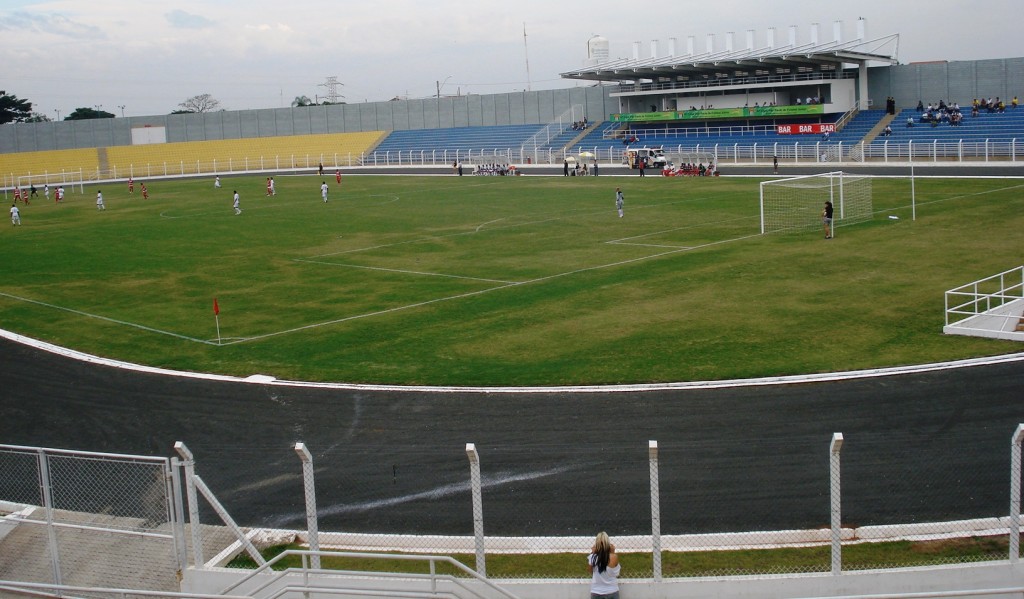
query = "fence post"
{"x": 836, "y": 499}
{"x": 1018, "y": 435}
{"x": 175, "y": 510}
{"x": 51, "y": 532}
{"x": 652, "y": 454}
{"x": 189, "y": 463}
{"x": 309, "y": 486}
{"x": 478, "y": 508}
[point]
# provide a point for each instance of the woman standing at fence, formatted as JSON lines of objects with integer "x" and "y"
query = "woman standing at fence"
{"x": 603, "y": 564}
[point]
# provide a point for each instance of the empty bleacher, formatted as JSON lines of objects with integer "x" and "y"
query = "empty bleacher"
{"x": 461, "y": 139}
{"x": 48, "y": 167}
{"x": 257, "y": 153}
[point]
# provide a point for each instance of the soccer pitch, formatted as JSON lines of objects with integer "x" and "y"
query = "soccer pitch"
{"x": 497, "y": 281}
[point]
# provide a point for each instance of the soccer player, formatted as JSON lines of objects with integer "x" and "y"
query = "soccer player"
{"x": 17, "y": 194}
{"x": 337, "y": 176}
{"x": 46, "y": 190}
{"x": 620, "y": 201}
{"x": 273, "y": 190}
{"x": 270, "y": 186}
{"x": 323, "y": 191}
{"x": 15, "y": 215}
{"x": 145, "y": 192}
{"x": 99, "y": 200}
{"x": 58, "y": 196}
{"x": 216, "y": 182}
{"x": 826, "y": 219}
{"x": 238, "y": 209}
{"x": 131, "y": 185}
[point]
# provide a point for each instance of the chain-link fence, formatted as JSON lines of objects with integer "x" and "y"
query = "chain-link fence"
{"x": 88, "y": 519}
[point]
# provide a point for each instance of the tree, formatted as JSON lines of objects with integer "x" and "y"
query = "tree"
{"x": 84, "y": 114}
{"x": 302, "y": 101}
{"x": 200, "y": 103}
{"x": 14, "y": 110}
{"x": 38, "y": 117}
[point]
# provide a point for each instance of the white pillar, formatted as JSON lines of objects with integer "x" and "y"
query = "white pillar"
{"x": 836, "y": 503}
{"x": 478, "y": 508}
{"x": 309, "y": 487}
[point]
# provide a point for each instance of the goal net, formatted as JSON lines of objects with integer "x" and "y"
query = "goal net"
{"x": 797, "y": 202}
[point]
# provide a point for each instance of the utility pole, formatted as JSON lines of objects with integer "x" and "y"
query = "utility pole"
{"x": 526, "y": 49}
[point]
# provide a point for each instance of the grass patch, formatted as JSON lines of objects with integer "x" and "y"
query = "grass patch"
{"x": 861, "y": 556}
{"x": 501, "y": 281}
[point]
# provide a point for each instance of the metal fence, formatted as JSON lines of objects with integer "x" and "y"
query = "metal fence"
{"x": 796, "y": 153}
{"x": 681, "y": 530}
{"x": 89, "y": 519}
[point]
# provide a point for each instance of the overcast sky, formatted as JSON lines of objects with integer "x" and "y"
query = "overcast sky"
{"x": 149, "y": 56}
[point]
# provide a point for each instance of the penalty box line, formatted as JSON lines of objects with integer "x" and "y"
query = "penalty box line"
{"x": 105, "y": 318}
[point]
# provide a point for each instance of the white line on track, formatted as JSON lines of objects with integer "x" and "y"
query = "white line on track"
{"x": 752, "y": 382}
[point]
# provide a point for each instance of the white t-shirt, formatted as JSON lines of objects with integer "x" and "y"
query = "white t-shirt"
{"x": 323, "y": 190}
{"x": 604, "y": 583}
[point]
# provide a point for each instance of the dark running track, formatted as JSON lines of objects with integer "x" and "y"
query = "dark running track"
{"x": 919, "y": 447}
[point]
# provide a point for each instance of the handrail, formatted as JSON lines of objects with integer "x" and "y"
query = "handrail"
{"x": 432, "y": 559}
{"x": 38, "y": 588}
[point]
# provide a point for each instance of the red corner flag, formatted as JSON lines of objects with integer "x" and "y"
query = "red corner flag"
{"x": 216, "y": 308}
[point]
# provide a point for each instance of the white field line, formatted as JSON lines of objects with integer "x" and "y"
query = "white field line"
{"x": 368, "y": 314}
{"x": 406, "y": 272}
{"x": 483, "y": 291}
{"x": 104, "y": 318}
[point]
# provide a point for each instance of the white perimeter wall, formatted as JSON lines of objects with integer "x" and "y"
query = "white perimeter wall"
{"x": 874, "y": 582}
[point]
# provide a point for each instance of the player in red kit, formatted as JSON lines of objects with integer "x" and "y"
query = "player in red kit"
{"x": 145, "y": 192}
{"x": 268, "y": 186}
{"x": 337, "y": 175}
{"x": 131, "y": 185}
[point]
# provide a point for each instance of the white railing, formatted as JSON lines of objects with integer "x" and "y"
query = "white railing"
{"x": 796, "y": 152}
{"x": 270, "y": 580}
{"x": 985, "y": 295}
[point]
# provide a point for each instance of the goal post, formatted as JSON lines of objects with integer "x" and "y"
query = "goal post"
{"x": 796, "y": 203}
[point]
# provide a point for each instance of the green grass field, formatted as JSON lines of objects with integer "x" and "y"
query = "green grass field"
{"x": 496, "y": 281}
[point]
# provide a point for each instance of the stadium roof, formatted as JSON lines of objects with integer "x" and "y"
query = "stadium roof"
{"x": 746, "y": 62}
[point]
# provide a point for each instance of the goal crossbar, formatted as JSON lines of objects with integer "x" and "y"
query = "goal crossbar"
{"x": 797, "y": 202}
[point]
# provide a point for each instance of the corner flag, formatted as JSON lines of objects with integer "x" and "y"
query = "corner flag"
{"x": 216, "y": 308}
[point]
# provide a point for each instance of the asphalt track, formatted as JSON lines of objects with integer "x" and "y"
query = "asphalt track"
{"x": 918, "y": 447}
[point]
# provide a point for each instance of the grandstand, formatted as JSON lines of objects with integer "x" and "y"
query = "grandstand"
{"x": 190, "y": 158}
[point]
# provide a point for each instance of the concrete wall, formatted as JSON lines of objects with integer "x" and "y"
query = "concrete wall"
{"x": 875, "y": 582}
{"x": 957, "y": 81}
{"x": 521, "y": 108}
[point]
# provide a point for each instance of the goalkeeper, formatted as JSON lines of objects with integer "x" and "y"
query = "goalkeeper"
{"x": 826, "y": 219}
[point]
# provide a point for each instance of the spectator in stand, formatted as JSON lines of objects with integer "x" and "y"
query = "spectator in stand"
{"x": 1013, "y": 103}
{"x": 887, "y": 131}
{"x": 910, "y": 122}
{"x": 920, "y": 106}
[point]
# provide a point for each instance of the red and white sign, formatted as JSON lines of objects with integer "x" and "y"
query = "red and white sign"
{"x": 805, "y": 129}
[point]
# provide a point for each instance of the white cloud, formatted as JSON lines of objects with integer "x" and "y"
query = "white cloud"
{"x": 184, "y": 20}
